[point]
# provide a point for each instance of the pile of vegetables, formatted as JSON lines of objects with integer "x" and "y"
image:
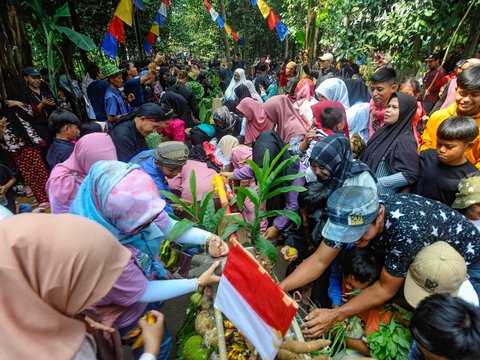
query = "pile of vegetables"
{"x": 392, "y": 341}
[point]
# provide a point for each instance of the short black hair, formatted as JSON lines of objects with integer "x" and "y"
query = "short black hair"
{"x": 93, "y": 71}
{"x": 125, "y": 66}
{"x": 60, "y": 117}
{"x": 415, "y": 84}
{"x": 331, "y": 117}
{"x": 469, "y": 79}
{"x": 462, "y": 128}
{"x": 447, "y": 326}
{"x": 89, "y": 128}
{"x": 384, "y": 75}
{"x": 262, "y": 67}
{"x": 363, "y": 264}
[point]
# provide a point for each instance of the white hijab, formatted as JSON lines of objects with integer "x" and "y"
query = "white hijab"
{"x": 230, "y": 92}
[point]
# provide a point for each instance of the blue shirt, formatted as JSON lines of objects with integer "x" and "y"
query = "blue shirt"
{"x": 148, "y": 165}
{"x": 134, "y": 86}
{"x": 96, "y": 94}
{"x": 58, "y": 152}
{"x": 114, "y": 104}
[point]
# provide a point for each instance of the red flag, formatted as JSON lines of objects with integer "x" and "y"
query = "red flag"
{"x": 235, "y": 35}
{"x": 151, "y": 37}
{"x": 167, "y": 3}
{"x": 116, "y": 29}
{"x": 207, "y": 5}
{"x": 251, "y": 300}
{"x": 272, "y": 20}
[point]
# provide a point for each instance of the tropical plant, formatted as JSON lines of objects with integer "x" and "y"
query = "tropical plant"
{"x": 391, "y": 341}
{"x": 270, "y": 182}
{"x": 52, "y": 33}
{"x": 201, "y": 215}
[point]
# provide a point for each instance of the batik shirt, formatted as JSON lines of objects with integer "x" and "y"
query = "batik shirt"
{"x": 412, "y": 223}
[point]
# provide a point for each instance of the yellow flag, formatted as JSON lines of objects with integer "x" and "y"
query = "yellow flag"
{"x": 264, "y": 8}
{"x": 124, "y": 11}
{"x": 155, "y": 29}
{"x": 228, "y": 29}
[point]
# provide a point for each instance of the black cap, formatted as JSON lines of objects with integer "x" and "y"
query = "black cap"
{"x": 31, "y": 71}
{"x": 432, "y": 57}
{"x": 151, "y": 111}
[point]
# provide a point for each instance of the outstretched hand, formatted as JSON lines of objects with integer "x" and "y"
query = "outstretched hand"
{"x": 209, "y": 277}
{"x": 216, "y": 246}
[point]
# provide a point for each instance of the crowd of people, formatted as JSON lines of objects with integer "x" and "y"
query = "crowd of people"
{"x": 391, "y": 208}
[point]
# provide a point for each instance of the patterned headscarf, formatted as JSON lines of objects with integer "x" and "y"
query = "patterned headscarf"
{"x": 171, "y": 153}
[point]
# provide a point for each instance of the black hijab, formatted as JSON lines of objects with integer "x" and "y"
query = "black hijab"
{"x": 197, "y": 153}
{"x": 242, "y": 92}
{"x": 173, "y": 101}
{"x": 271, "y": 141}
{"x": 262, "y": 80}
{"x": 357, "y": 91}
{"x": 333, "y": 153}
{"x": 396, "y": 144}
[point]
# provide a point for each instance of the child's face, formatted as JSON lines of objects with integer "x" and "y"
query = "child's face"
{"x": 451, "y": 152}
{"x": 473, "y": 212}
{"x": 351, "y": 284}
{"x": 72, "y": 132}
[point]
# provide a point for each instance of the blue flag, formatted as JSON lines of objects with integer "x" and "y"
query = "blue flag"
{"x": 109, "y": 45}
{"x": 148, "y": 47}
{"x": 139, "y": 4}
{"x": 159, "y": 19}
{"x": 220, "y": 22}
{"x": 254, "y": 2}
{"x": 281, "y": 30}
{"x": 241, "y": 42}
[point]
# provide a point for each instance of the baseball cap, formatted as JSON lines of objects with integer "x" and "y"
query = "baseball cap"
{"x": 468, "y": 193}
{"x": 351, "y": 210}
{"x": 151, "y": 111}
{"x": 327, "y": 57}
{"x": 31, "y": 71}
{"x": 437, "y": 268}
{"x": 432, "y": 57}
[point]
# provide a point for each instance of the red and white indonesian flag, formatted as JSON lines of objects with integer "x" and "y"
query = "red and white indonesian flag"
{"x": 252, "y": 301}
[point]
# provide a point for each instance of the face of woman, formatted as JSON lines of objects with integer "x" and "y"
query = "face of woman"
{"x": 392, "y": 112}
{"x": 322, "y": 173}
{"x": 236, "y": 76}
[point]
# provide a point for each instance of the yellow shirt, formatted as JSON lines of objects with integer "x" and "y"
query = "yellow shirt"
{"x": 429, "y": 136}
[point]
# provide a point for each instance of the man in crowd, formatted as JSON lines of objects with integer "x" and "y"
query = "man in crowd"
{"x": 115, "y": 105}
{"x": 402, "y": 225}
{"x": 432, "y": 82}
{"x": 382, "y": 86}
{"x": 96, "y": 93}
{"x": 327, "y": 70}
{"x": 132, "y": 83}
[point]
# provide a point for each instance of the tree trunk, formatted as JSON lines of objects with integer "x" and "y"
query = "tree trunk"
{"x": 227, "y": 45}
{"x": 15, "y": 51}
{"x": 460, "y": 8}
{"x": 77, "y": 27}
{"x": 285, "y": 54}
{"x": 471, "y": 45}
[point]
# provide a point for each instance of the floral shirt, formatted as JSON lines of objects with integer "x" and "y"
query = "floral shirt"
{"x": 12, "y": 143}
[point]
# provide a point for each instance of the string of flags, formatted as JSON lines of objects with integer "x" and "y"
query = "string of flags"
{"x": 155, "y": 28}
{"x": 223, "y": 25}
{"x": 273, "y": 20}
{"x": 116, "y": 31}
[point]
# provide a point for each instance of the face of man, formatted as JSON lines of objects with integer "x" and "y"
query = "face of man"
{"x": 373, "y": 230}
{"x": 168, "y": 171}
{"x": 146, "y": 126}
{"x": 468, "y": 101}
{"x": 116, "y": 81}
{"x": 33, "y": 82}
{"x": 432, "y": 64}
{"x": 381, "y": 92}
{"x": 325, "y": 64}
{"x": 132, "y": 70}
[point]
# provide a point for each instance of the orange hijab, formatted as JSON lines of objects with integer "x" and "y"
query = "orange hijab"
{"x": 51, "y": 268}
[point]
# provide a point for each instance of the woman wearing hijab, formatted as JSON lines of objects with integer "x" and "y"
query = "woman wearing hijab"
{"x": 357, "y": 91}
{"x": 265, "y": 87}
{"x": 65, "y": 178}
{"x": 237, "y": 80}
{"x": 253, "y": 92}
{"x": 224, "y": 149}
{"x": 241, "y": 92}
{"x": 227, "y": 123}
{"x": 292, "y": 78}
{"x": 162, "y": 163}
{"x": 332, "y": 163}
{"x": 271, "y": 141}
{"x": 124, "y": 200}
{"x": 50, "y": 281}
{"x": 288, "y": 122}
{"x": 174, "y": 105}
{"x": 257, "y": 120}
{"x": 333, "y": 89}
{"x": 25, "y": 146}
{"x": 392, "y": 152}
{"x": 304, "y": 95}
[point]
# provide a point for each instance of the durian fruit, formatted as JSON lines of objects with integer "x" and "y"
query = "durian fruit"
{"x": 194, "y": 349}
{"x": 203, "y": 322}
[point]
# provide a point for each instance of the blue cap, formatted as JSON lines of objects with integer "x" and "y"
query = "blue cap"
{"x": 351, "y": 210}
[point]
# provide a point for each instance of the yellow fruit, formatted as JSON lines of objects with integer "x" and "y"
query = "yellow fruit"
{"x": 292, "y": 251}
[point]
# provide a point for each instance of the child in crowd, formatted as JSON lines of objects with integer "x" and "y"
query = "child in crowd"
{"x": 66, "y": 126}
{"x": 445, "y": 327}
{"x": 360, "y": 268}
{"x": 467, "y": 200}
{"x": 442, "y": 169}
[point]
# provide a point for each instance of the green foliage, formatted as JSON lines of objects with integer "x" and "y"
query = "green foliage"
{"x": 205, "y": 110}
{"x": 390, "y": 342}
{"x": 201, "y": 215}
{"x": 269, "y": 184}
{"x": 197, "y": 89}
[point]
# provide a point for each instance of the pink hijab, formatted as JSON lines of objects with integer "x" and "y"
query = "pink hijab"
{"x": 289, "y": 122}
{"x": 257, "y": 120}
{"x": 66, "y": 177}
